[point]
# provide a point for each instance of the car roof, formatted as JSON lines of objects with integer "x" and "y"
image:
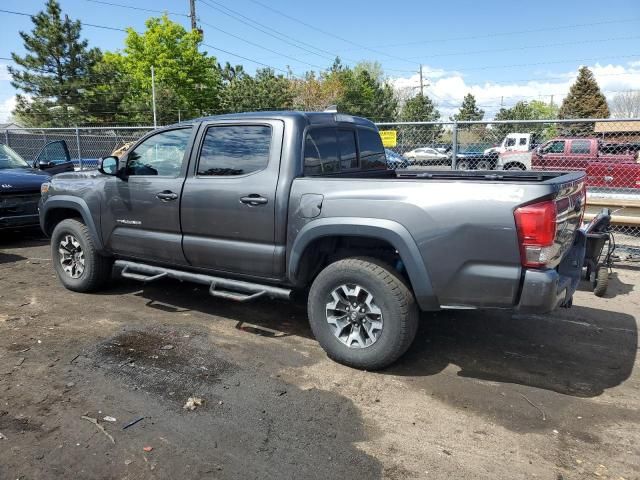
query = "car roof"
{"x": 310, "y": 118}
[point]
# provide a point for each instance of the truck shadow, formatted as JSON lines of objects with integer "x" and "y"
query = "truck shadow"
{"x": 578, "y": 352}
{"x": 28, "y": 237}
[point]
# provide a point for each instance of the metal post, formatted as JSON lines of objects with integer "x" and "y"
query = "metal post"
{"x": 421, "y": 82}
{"x": 78, "y": 145}
{"x": 6, "y": 138}
{"x": 454, "y": 146}
{"x": 153, "y": 96}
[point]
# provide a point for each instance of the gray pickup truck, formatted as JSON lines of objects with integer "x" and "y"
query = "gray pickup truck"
{"x": 262, "y": 204}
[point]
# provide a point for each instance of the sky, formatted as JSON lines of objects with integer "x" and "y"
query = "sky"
{"x": 501, "y": 51}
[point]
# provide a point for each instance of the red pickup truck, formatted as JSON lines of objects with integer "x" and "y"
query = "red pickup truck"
{"x": 624, "y": 175}
{"x": 578, "y": 153}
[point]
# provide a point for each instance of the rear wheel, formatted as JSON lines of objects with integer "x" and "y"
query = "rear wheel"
{"x": 463, "y": 165}
{"x": 483, "y": 165}
{"x": 76, "y": 261}
{"x": 362, "y": 313}
{"x": 601, "y": 280}
{"x": 515, "y": 166}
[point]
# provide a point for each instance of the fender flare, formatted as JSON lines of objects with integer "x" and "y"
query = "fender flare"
{"x": 71, "y": 203}
{"x": 388, "y": 230}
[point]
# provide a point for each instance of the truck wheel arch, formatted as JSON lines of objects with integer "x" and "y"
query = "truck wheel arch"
{"x": 59, "y": 208}
{"x": 388, "y": 231}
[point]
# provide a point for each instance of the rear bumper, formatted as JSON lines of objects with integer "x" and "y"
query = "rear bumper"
{"x": 545, "y": 290}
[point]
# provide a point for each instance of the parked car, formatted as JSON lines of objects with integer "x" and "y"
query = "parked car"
{"x": 264, "y": 204}
{"x": 20, "y": 183}
{"x": 473, "y": 159}
{"x": 427, "y": 156}
{"x": 565, "y": 154}
{"x": 395, "y": 160}
{"x": 513, "y": 142}
{"x": 614, "y": 176}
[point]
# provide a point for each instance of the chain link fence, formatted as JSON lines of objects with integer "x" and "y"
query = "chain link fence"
{"x": 86, "y": 145}
{"x": 608, "y": 150}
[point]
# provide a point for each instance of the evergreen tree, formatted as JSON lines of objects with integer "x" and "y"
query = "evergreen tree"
{"x": 419, "y": 108}
{"x": 54, "y": 72}
{"x": 264, "y": 91}
{"x": 585, "y": 100}
{"x": 366, "y": 97}
{"x": 468, "y": 110}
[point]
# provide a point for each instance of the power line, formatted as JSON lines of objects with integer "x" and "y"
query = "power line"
{"x": 83, "y": 23}
{"x": 244, "y": 58}
{"x": 112, "y": 4}
{"x": 332, "y": 35}
{"x": 260, "y": 46}
{"x": 501, "y": 34}
{"x": 526, "y": 47}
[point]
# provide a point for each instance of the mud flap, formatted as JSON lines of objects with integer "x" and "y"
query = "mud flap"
{"x": 570, "y": 269}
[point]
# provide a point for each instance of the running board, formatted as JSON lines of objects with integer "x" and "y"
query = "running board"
{"x": 237, "y": 290}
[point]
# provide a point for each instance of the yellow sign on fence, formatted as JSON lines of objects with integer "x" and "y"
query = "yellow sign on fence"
{"x": 389, "y": 138}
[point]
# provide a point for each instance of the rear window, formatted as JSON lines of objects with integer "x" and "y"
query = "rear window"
{"x": 234, "y": 150}
{"x": 580, "y": 147}
{"x": 321, "y": 152}
{"x": 331, "y": 150}
{"x": 371, "y": 149}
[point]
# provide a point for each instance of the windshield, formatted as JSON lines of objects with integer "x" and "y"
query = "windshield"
{"x": 10, "y": 159}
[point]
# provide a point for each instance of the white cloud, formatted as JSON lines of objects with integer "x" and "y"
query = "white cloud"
{"x": 447, "y": 88}
{"x": 6, "y": 107}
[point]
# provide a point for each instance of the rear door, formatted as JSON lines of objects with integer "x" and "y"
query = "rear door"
{"x": 228, "y": 203}
{"x": 54, "y": 158}
{"x": 579, "y": 154}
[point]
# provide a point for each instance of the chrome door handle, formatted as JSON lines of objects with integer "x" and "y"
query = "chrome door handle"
{"x": 254, "y": 200}
{"x": 167, "y": 195}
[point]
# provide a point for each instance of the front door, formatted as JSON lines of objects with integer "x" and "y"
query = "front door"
{"x": 552, "y": 156}
{"x": 228, "y": 204}
{"x": 141, "y": 211}
{"x": 54, "y": 158}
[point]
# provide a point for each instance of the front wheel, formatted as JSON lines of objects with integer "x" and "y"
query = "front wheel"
{"x": 362, "y": 313}
{"x": 76, "y": 261}
{"x": 600, "y": 281}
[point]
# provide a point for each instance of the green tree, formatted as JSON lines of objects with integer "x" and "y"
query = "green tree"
{"x": 55, "y": 71}
{"x": 188, "y": 81}
{"x": 365, "y": 96}
{"x": 534, "y": 110}
{"x": 264, "y": 91}
{"x": 585, "y": 100}
{"x": 419, "y": 108}
{"x": 468, "y": 110}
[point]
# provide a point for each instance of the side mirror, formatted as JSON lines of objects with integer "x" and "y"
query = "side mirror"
{"x": 43, "y": 164}
{"x": 108, "y": 165}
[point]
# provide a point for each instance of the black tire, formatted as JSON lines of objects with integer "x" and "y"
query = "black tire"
{"x": 601, "y": 281}
{"x": 97, "y": 268}
{"x": 463, "y": 165}
{"x": 392, "y": 296}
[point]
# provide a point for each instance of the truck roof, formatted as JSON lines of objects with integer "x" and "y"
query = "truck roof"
{"x": 309, "y": 118}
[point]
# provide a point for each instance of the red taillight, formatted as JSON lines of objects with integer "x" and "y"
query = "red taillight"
{"x": 536, "y": 226}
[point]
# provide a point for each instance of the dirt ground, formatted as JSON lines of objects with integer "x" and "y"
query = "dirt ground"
{"x": 480, "y": 394}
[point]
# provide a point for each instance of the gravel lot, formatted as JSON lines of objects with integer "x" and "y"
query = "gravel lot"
{"x": 480, "y": 394}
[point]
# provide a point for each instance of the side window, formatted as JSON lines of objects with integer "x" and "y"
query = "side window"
{"x": 234, "y": 150}
{"x": 554, "y": 147}
{"x": 511, "y": 142}
{"x": 320, "y": 151}
{"x": 348, "y": 152}
{"x": 161, "y": 155}
{"x": 371, "y": 150}
{"x": 54, "y": 153}
{"x": 523, "y": 141}
{"x": 581, "y": 147}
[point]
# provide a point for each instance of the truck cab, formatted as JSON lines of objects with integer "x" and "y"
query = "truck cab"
{"x": 513, "y": 142}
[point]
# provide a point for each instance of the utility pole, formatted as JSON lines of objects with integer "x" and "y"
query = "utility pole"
{"x": 153, "y": 96}
{"x": 551, "y": 101}
{"x": 192, "y": 4}
{"x": 502, "y": 101}
{"x": 421, "y": 82}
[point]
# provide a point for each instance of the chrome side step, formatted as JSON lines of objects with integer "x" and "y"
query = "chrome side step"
{"x": 237, "y": 290}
